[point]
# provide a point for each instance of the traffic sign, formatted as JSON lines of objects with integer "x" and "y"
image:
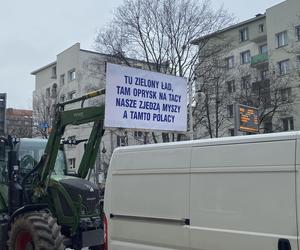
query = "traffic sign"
{"x": 43, "y": 125}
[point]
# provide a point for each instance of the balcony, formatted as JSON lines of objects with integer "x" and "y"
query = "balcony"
{"x": 259, "y": 60}
{"x": 259, "y": 38}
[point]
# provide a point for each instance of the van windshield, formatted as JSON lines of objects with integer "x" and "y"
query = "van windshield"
{"x": 30, "y": 152}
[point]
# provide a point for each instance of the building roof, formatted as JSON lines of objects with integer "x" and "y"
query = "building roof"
{"x": 232, "y": 27}
{"x": 89, "y": 51}
{"x": 116, "y": 56}
{"x": 19, "y": 112}
{"x": 42, "y": 68}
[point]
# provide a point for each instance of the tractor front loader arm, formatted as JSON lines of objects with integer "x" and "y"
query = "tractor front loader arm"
{"x": 74, "y": 117}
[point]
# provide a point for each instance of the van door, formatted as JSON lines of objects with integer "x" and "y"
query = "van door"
{"x": 149, "y": 201}
{"x": 298, "y": 186}
{"x": 243, "y": 196}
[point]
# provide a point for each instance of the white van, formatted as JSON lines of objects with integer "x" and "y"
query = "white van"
{"x": 238, "y": 193}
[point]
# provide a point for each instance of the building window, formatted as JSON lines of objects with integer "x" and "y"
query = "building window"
{"x": 47, "y": 92}
{"x": 245, "y": 57}
{"x": 54, "y": 90}
{"x": 229, "y": 62}
{"x": 244, "y": 34}
{"x": 138, "y": 135}
{"x": 53, "y": 75}
{"x": 165, "y": 137}
{"x": 263, "y": 49}
{"x": 268, "y": 127}
{"x": 245, "y": 82}
{"x": 71, "y": 95}
{"x": 71, "y": 163}
{"x": 72, "y": 75}
{"x": 286, "y": 94}
{"x": 230, "y": 86}
{"x": 261, "y": 90}
{"x": 231, "y": 132}
{"x": 261, "y": 28}
{"x": 121, "y": 141}
{"x": 62, "y": 98}
{"x": 2, "y": 98}
{"x": 281, "y": 39}
{"x": 283, "y": 67}
{"x": 62, "y": 80}
{"x": 288, "y": 123}
{"x": 230, "y": 110}
{"x": 264, "y": 74}
{"x": 298, "y": 33}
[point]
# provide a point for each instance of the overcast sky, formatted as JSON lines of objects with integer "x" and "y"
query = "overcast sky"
{"x": 33, "y": 32}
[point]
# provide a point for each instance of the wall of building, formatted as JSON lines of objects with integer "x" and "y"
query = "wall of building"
{"x": 2, "y": 114}
{"x": 230, "y": 45}
{"x": 90, "y": 71}
{"x": 66, "y": 62}
{"x": 44, "y": 76}
{"x": 284, "y": 16}
{"x": 19, "y": 123}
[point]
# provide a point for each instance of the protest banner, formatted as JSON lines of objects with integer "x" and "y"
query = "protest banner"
{"x": 141, "y": 99}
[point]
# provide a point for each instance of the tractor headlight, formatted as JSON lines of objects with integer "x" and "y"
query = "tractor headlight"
{"x": 98, "y": 208}
{"x": 83, "y": 210}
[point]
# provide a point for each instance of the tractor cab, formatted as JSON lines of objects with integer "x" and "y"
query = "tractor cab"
{"x": 30, "y": 151}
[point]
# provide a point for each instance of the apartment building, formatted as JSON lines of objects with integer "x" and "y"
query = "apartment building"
{"x": 260, "y": 56}
{"x": 19, "y": 123}
{"x": 75, "y": 72}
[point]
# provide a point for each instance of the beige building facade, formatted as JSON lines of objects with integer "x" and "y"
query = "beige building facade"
{"x": 262, "y": 53}
{"x": 76, "y": 72}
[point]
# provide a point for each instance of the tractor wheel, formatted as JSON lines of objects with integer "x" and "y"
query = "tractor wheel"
{"x": 35, "y": 231}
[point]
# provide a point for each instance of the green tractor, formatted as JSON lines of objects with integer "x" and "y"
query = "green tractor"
{"x": 42, "y": 207}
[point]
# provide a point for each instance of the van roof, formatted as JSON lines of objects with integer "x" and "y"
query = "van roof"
{"x": 215, "y": 141}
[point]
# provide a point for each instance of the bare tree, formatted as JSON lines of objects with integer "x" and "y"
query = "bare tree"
{"x": 271, "y": 93}
{"x": 43, "y": 115}
{"x": 213, "y": 98}
{"x": 20, "y": 132}
{"x": 160, "y": 33}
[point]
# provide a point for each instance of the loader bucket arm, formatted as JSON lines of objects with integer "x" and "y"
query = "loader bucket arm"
{"x": 91, "y": 149}
{"x": 73, "y": 117}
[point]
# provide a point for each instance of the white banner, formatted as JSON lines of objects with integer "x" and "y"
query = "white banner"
{"x": 141, "y": 99}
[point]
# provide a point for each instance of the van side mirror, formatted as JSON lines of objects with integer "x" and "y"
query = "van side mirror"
{"x": 284, "y": 244}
